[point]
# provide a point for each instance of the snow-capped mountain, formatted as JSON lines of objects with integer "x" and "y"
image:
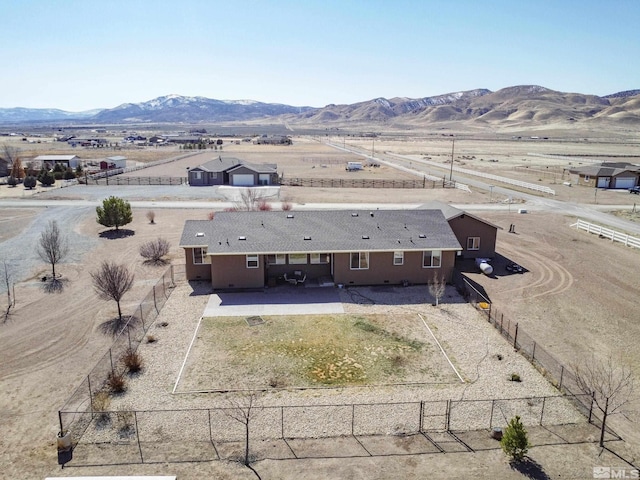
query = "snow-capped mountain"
{"x": 177, "y": 108}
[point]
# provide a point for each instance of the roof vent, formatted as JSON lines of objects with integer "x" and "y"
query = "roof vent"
{"x": 200, "y": 234}
{"x": 289, "y": 215}
{"x": 242, "y": 238}
{"x": 354, "y": 214}
{"x": 365, "y": 237}
{"x": 422, "y": 235}
{"x": 307, "y": 237}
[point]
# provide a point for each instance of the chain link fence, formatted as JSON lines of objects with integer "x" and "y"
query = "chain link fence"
{"x": 210, "y": 434}
{"x": 77, "y": 413}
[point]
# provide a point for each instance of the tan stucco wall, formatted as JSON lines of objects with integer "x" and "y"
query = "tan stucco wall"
{"x": 195, "y": 272}
{"x": 464, "y": 227}
{"x": 382, "y": 271}
{"x": 232, "y": 272}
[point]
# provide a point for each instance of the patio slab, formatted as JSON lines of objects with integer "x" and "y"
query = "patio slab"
{"x": 275, "y": 301}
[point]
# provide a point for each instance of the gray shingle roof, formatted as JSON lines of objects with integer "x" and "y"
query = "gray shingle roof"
{"x": 224, "y": 164}
{"x": 321, "y": 231}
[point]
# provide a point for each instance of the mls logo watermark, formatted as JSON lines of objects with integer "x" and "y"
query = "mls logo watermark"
{"x": 614, "y": 472}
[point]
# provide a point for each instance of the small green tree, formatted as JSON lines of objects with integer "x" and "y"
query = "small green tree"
{"x": 12, "y": 181}
{"x": 115, "y": 212}
{"x": 46, "y": 178}
{"x": 515, "y": 442}
{"x": 29, "y": 182}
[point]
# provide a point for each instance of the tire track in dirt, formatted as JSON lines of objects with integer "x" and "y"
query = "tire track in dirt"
{"x": 550, "y": 276}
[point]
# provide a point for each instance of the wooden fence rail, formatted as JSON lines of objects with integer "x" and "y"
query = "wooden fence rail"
{"x": 612, "y": 235}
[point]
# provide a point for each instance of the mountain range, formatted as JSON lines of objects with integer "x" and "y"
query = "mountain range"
{"x": 519, "y": 105}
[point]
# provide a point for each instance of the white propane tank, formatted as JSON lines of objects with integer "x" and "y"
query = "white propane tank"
{"x": 486, "y": 268}
{"x": 483, "y": 265}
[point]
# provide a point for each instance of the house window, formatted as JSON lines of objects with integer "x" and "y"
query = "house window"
{"x": 297, "y": 259}
{"x": 473, "y": 243}
{"x": 252, "y": 260}
{"x": 198, "y": 255}
{"x": 359, "y": 260}
{"x": 277, "y": 259}
{"x": 587, "y": 178}
{"x": 213, "y": 175}
{"x": 198, "y": 175}
{"x": 431, "y": 258}
{"x": 398, "y": 258}
{"x": 319, "y": 257}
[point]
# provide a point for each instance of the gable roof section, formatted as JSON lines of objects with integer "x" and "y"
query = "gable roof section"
{"x": 55, "y": 158}
{"x": 263, "y": 168}
{"x": 450, "y": 212}
{"x": 321, "y": 231}
{"x": 218, "y": 165}
{"x": 606, "y": 169}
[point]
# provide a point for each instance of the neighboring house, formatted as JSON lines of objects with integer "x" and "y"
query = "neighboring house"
{"x": 187, "y": 139}
{"x": 5, "y": 168}
{"x": 231, "y": 171}
{"x": 272, "y": 140}
{"x": 477, "y": 236}
{"x": 606, "y": 175}
{"x": 94, "y": 142}
{"x": 381, "y": 247}
{"x": 51, "y": 160}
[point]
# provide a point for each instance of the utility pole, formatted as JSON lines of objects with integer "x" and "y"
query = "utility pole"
{"x": 453, "y": 144}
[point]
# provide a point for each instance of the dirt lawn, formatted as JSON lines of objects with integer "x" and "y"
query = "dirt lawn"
{"x": 579, "y": 297}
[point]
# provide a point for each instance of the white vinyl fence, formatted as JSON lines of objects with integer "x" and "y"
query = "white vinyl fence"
{"x": 614, "y": 236}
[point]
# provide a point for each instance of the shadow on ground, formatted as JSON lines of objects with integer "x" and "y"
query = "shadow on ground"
{"x": 115, "y": 234}
{"x": 529, "y": 468}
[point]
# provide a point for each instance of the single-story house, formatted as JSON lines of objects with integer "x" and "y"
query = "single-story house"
{"x": 273, "y": 140}
{"x": 232, "y": 171}
{"x": 606, "y": 175}
{"x": 5, "y": 168}
{"x": 186, "y": 139}
{"x": 476, "y": 236}
{"x": 239, "y": 250}
{"x": 65, "y": 160}
{"x": 94, "y": 142}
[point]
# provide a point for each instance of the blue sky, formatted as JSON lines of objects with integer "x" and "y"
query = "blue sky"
{"x": 80, "y": 55}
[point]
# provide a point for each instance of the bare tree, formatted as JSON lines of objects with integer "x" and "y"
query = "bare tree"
{"x": 437, "y": 287}
{"x": 151, "y": 216}
{"x": 243, "y": 409}
{"x": 11, "y": 301}
{"x": 249, "y": 198}
{"x": 111, "y": 282}
{"x": 10, "y": 154}
{"x": 53, "y": 246}
{"x": 609, "y": 385}
{"x": 154, "y": 250}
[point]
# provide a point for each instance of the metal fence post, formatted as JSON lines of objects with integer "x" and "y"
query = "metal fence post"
{"x": 111, "y": 360}
{"x": 515, "y": 338}
{"x": 154, "y": 298}
{"x": 493, "y": 402}
{"x": 90, "y": 395}
{"x": 448, "y": 416}
{"x": 421, "y": 416}
{"x": 353, "y": 417}
{"x": 533, "y": 353}
{"x": 542, "y": 411}
{"x": 135, "y": 419}
{"x": 561, "y": 376}
{"x": 141, "y": 317}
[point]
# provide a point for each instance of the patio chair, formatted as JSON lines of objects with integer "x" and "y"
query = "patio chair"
{"x": 292, "y": 281}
